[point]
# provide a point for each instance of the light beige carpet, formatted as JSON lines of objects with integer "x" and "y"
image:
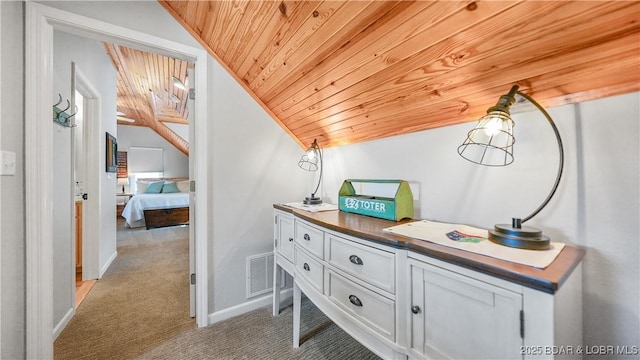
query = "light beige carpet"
{"x": 140, "y": 310}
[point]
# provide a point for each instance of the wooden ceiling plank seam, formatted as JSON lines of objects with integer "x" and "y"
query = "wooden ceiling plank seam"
{"x": 289, "y": 27}
{"x": 254, "y": 30}
{"x": 340, "y": 32}
{"x": 207, "y": 31}
{"x": 233, "y": 74}
{"x": 236, "y": 14}
{"x": 243, "y": 18}
{"x": 191, "y": 12}
{"x": 224, "y": 10}
{"x": 326, "y": 16}
{"x": 406, "y": 20}
{"x": 479, "y": 85}
{"x": 348, "y": 47}
{"x": 268, "y": 36}
{"x": 138, "y": 114}
{"x": 200, "y": 22}
{"x": 418, "y": 64}
{"x": 344, "y": 77}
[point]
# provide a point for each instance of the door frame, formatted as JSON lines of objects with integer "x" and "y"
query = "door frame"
{"x": 40, "y": 22}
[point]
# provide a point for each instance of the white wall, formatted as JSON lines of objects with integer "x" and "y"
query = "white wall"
{"x": 176, "y": 164}
{"x": 596, "y": 205}
{"x": 254, "y": 165}
{"x": 12, "y": 273}
{"x": 90, "y": 57}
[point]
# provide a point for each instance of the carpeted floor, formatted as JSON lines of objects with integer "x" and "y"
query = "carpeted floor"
{"x": 140, "y": 310}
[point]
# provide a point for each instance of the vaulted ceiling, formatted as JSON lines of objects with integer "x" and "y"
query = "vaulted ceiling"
{"x": 349, "y": 71}
{"x": 146, "y": 93}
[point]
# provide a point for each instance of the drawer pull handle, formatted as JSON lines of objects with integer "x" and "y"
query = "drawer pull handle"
{"x": 354, "y": 300}
{"x": 290, "y": 239}
{"x": 306, "y": 267}
{"x": 356, "y": 260}
{"x": 307, "y": 237}
{"x": 415, "y": 309}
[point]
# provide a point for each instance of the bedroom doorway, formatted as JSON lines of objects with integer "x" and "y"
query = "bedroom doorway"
{"x": 40, "y": 22}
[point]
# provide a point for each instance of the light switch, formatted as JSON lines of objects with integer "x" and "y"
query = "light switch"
{"x": 8, "y": 165}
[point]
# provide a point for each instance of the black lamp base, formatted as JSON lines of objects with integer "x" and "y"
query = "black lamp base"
{"x": 312, "y": 200}
{"x": 524, "y": 237}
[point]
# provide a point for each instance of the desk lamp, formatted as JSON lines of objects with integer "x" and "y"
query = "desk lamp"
{"x": 311, "y": 160}
{"x": 490, "y": 143}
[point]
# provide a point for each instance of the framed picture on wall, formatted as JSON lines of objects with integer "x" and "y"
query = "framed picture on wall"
{"x": 112, "y": 154}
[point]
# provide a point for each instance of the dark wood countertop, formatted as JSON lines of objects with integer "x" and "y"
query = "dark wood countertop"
{"x": 548, "y": 279}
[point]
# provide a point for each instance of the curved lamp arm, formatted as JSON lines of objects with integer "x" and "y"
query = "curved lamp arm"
{"x": 560, "y": 162}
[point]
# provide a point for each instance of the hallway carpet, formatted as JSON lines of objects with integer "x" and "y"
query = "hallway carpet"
{"x": 140, "y": 310}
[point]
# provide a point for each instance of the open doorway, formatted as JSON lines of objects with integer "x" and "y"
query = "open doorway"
{"x": 40, "y": 23}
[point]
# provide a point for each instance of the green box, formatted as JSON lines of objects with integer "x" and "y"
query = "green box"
{"x": 397, "y": 208}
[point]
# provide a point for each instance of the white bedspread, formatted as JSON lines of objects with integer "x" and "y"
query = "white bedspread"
{"x": 134, "y": 210}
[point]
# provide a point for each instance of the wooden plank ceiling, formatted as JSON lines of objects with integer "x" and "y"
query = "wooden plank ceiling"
{"x": 146, "y": 94}
{"x": 350, "y": 71}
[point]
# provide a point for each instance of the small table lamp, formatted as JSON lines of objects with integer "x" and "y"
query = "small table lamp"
{"x": 491, "y": 143}
{"x": 123, "y": 181}
{"x": 311, "y": 160}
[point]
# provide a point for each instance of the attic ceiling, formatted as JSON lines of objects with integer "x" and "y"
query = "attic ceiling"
{"x": 349, "y": 71}
{"x": 146, "y": 94}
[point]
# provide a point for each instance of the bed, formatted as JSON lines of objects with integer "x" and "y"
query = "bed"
{"x": 167, "y": 208}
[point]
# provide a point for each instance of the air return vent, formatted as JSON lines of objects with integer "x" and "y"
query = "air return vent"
{"x": 259, "y": 274}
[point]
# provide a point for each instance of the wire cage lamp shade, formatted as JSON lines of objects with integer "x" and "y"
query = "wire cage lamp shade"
{"x": 311, "y": 160}
{"x": 490, "y": 143}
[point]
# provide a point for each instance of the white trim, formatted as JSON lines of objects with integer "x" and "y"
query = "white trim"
{"x": 63, "y": 323}
{"x": 38, "y": 174}
{"x": 40, "y": 21}
{"x": 0, "y": 184}
{"x": 245, "y": 307}
{"x": 107, "y": 264}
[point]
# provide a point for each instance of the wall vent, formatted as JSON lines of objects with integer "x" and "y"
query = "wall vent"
{"x": 259, "y": 274}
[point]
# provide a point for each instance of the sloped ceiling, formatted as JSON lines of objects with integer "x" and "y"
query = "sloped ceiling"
{"x": 348, "y": 71}
{"x": 146, "y": 94}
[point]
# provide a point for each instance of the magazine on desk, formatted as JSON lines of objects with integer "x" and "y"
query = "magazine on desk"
{"x": 312, "y": 208}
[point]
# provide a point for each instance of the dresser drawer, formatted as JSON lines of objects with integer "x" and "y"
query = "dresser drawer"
{"x": 372, "y": 265}
{"x": 310, "y": 269}
{"x": 310, "y": 238}
{"x": 374, "y": 310}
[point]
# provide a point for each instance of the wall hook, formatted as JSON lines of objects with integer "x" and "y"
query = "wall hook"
{"x": 59, "y": 100}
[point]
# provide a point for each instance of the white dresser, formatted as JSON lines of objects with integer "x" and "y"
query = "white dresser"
{"x": 405, "y": 298}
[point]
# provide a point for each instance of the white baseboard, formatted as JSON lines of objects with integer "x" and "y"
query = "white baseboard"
{"x": 285, "y": 299}
{"x": 63, "y": 323}
{"x": 107, "y": 264}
